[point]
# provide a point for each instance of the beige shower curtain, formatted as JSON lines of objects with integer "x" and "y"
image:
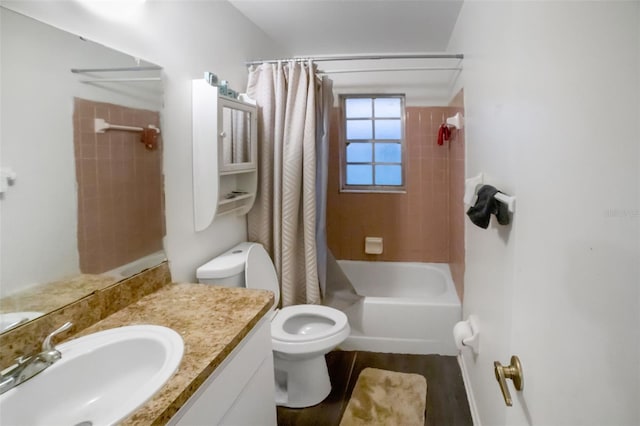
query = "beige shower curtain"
{"x": 283, "y": 218}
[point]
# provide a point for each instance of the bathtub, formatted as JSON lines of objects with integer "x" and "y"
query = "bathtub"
{"x": 407, "y": 307}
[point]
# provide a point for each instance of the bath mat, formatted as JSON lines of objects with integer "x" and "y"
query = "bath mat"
{"x": 387, "y": 398}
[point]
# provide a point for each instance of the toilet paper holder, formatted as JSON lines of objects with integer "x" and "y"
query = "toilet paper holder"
{"x": 466, "y": 333}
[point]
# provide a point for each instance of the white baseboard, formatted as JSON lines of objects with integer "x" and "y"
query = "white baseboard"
{"x": 467, "y": 385}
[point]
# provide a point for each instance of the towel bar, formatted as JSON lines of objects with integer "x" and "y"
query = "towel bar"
{"x": 508, "y": 200}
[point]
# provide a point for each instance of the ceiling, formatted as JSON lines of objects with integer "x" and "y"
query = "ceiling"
{"x": 316, "y": 27}
{"x": 349, "y": 27}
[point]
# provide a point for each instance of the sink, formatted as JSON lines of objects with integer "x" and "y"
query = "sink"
{"x": 14, "y": 319}
{"x": 100, "y": 379}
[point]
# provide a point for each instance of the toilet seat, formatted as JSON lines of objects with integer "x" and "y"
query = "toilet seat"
{"x": 301, "y": 329}
{"x": 259, "y": 271}
{"x": 315, "y": 322}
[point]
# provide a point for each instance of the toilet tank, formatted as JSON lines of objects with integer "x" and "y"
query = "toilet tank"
{"x": 227, "y": 269}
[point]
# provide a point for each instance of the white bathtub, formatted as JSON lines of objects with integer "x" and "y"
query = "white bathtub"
{"x": 408, "y": 307}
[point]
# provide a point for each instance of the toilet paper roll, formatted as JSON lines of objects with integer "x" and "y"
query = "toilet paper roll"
{"x": 461, "y": 331}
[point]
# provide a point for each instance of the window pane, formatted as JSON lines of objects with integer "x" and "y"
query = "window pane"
{"x": 388, "y": 129}
{"x": 359, "y": 129}
{"x": 359, "y": 152}
{"x": 388, "y": 107}
{"x": 358, "y": 108}
{"x": 359, "y": 174}
{"x": 388, "y": 175}
{"x": 388, "y": 153}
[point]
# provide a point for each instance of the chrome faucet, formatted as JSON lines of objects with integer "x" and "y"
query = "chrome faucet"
{"x": 27, "y": 367}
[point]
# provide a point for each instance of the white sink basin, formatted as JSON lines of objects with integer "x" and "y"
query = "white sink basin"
{"x": 14, "y": 319}
{"x": 101, "y": 378}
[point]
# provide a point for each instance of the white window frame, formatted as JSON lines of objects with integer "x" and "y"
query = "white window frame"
{"x": 343, "y": 146}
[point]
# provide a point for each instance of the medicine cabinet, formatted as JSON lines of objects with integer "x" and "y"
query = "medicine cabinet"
{"x": 225, "y": 174}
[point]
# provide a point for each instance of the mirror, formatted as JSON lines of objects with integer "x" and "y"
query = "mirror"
{"x": 235, "y": 136}
{"x": 80, "y": 209}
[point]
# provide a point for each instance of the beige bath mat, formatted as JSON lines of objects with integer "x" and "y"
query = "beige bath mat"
{"x": 387, "y": 398}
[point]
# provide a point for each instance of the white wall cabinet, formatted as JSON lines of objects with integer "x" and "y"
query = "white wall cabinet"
{"x": 225, "y": 173}
{"x": 241, "y": 391}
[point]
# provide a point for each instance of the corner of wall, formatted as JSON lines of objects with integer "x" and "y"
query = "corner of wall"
{"x": 473, "y": 406}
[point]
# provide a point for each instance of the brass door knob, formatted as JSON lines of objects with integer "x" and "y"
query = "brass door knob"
{"x": 512, "y": 371}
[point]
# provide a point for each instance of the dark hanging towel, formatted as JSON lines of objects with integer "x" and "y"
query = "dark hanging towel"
{"x": 480, "y": 213}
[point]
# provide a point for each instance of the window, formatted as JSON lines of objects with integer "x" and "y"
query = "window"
{"x": 372, "y": 142}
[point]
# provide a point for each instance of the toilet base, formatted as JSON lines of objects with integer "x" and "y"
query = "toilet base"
{"x": 300, "y": 383}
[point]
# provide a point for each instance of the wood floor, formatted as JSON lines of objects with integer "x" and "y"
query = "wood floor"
{"x": 446, "y": 398}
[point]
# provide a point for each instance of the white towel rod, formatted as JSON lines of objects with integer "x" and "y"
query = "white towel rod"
{"x": 508, "y": 200}
{"x": 474, "y": 183}
{"x": 102, "y": 126}
{"x": 120, "y": 80}
{"x": 116, "y": 69}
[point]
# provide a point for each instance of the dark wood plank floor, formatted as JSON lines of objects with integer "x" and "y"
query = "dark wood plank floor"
{"x": 446, "y": 398}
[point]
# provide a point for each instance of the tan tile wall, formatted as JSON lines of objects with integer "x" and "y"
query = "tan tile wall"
{"x": 120, "y": 187}
{"x": 416, "y": 225}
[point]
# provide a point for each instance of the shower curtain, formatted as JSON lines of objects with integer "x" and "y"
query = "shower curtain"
{"x": 323, "y": 123}
{"x": 283, "y": 218}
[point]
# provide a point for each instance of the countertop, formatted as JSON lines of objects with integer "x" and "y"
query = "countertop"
{"x": 212, "y": 321}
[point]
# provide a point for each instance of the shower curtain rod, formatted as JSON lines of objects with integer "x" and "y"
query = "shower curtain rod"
{"x": 363, "y": 57}
{"x": 359, "y": 70}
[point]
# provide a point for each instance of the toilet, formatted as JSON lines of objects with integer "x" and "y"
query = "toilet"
{"x": 301, "y": 334}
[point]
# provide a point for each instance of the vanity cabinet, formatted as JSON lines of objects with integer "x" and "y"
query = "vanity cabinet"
{"x": 241, "y": 391}
{"x": 225, "y": 173}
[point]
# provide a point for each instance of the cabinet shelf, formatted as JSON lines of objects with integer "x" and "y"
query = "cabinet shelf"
{"x": 236, "y": 172}
{"x": 238, "y": 197}
{"x": 232, "y": 210}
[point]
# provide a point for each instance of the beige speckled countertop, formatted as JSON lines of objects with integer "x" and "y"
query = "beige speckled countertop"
{"x": 212, "y": 321}
{"x": 48, "y": 297}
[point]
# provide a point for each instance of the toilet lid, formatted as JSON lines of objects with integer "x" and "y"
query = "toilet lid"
{"x": 259, "y": 271}
{"x": 323, "y": 322}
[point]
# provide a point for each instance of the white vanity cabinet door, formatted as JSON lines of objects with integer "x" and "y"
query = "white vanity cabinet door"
{"x": 241, "y": 391}
{"x": 252, "y": 407}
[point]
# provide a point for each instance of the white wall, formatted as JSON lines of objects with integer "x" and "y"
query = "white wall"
{"x": 421, "y": 88}
{"x": 39, "y": 212}
{"x": 186, "y": 38}
{"x": 552, "y": 99}
{"x": 483, "y": 35}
